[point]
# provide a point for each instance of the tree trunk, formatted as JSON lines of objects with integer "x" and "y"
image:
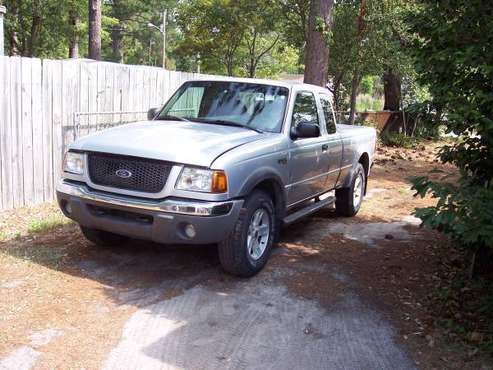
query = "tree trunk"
{"x": 36, "y": 26}
{"x": 354, "y": 94}
{"x": 317, "y": 50}
{"x": 117, "y": 44}
{"x": 392, "y": 91}
{"x": 73, "y": 45}
{"x": 335, "y": 89}
{"x": 13, "y": 38}
{"x": 95, "y": 29}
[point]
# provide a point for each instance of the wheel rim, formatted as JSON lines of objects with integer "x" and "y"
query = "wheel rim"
{"x": 358, "y": 191}
{"x": 258, "y": 234}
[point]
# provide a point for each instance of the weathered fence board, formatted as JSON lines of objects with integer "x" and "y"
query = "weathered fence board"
{"x": 41, "y": 112}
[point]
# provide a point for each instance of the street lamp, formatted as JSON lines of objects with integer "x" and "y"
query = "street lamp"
{"x": 161, "y": 29}
{"x": 3, "y": 10}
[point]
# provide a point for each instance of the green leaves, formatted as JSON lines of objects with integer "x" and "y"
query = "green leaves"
{"x": 452, "y": 57}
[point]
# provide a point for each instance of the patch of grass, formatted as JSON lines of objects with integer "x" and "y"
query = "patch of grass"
{"x": 38, "y": 226}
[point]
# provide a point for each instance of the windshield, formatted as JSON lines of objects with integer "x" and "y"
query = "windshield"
{"x": 259, "y": 107}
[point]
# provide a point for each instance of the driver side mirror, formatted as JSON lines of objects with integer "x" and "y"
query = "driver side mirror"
{"x": 152, "y": 113}
{"x": 305, "y": 130}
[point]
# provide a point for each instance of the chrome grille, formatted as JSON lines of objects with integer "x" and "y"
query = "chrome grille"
{"x": 140, "y": 174}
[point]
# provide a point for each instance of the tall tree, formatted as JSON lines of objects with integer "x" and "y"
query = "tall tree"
{"x": 73, "y": 46}
{"x": 392, "y": 90}
{"x": 232, "y": 36}
{"x": 40, "y": 28}
{"x": 357, "y": 73}
{"x": 317, "y": 49}
{"x": 95, "y": 18}
{"x": 261, "y": 34}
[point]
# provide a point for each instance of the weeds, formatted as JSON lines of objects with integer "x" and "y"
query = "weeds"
{"x": 38, "y": 226}
{"x": 398, "y": 140}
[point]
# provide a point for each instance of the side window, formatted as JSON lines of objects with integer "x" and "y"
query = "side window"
{"x": 328, "y": 114}
{"x": 305, "y": 109}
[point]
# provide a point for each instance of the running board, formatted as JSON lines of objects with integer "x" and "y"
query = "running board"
{"x": 312, "y": 208}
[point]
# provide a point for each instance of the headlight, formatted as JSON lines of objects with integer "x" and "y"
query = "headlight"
{"x": 205, "y": 181}
{"x": 74, "y": 163}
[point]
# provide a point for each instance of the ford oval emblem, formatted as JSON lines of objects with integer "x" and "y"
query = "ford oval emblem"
{"x": 124, "y": 174}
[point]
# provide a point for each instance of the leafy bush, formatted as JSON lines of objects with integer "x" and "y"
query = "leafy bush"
{"x": 464, "y": 210}
{"x": 425, "y": 120}
{"x": 398, "y": 140}
{"x": 452, "y": 59}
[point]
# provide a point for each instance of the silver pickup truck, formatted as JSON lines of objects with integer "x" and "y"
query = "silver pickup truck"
{"x": 226, "y": 162}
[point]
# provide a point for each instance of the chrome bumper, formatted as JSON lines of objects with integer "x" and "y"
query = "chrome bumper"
{"x": 164, "y": 221}
{"x": 183, "y": 207}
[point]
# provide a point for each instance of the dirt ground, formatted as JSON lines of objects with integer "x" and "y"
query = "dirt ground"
{"x": 337, "y": 293}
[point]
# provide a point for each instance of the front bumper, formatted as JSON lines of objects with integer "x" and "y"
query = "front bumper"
{"x": 162, "y": 221}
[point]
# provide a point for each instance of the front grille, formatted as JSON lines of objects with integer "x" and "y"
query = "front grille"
{"x": 139, "y": 174}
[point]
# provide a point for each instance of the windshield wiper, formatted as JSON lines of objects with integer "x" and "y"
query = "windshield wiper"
{"x": 227, "y": 123}
{"x": 171, "y": 118}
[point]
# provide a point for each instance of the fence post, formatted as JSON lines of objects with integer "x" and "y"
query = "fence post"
{"x": 3, "y": 10}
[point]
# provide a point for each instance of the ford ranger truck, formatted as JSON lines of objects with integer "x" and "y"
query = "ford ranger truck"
{"x": 226, "y": 162}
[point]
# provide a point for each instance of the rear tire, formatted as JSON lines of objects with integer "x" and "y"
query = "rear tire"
{"x": 102, "y": 238}
{"x": 348, "y": 200}
{"x": 247, "y": 248}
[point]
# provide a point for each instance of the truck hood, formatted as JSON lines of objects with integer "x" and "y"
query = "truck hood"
{"x": 191, "y": 143}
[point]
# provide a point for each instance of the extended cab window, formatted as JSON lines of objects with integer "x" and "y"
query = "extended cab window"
{"x": 305, "y": 109}
{"x": 328, "y": 114}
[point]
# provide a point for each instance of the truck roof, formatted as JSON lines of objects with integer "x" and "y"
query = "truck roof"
{"x": 287, "y": 84}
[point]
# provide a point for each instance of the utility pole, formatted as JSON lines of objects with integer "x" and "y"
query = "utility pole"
{"x": 3, "y": 10}
{"x": 163, "y": 31}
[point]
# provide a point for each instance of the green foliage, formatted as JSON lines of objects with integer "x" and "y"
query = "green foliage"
{"x": 41, "y": 28}
{"x": 237, "y": 38}
{"x": 367, "y": 84}
{"x": 463, "y": 210}
{"x": 367, "y": 102}
{"x": 369, "y": 51}
{"x": 452, "y": 60}
{"x": 426, "y": 119}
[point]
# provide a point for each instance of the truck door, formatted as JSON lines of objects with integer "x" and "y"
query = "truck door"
{"x": 307, "y": 165}
{"x": 334, "y": 151}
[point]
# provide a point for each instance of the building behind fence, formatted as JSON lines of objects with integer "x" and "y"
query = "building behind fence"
{"x": 46, "y": 104}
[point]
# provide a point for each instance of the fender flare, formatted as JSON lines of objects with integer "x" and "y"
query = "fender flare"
{"x": 350, "y": 177}
{"x": 261, "y": 175}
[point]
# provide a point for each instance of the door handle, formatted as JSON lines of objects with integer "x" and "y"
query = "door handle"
{"x": 325, "y": 147}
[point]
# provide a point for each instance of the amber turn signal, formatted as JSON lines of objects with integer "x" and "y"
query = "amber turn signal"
{"x": 219, "y": 182}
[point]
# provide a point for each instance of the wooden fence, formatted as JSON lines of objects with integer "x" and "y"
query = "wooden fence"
{"x": 42, "y": 102}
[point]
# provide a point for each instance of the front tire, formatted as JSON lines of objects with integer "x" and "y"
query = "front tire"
{"x": 348, "y": 200}
{"x": 102, "y": 238}
{"x": 246, "y": 250}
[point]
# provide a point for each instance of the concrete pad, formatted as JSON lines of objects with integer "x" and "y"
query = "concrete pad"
{"x": 22, "y": 358}
{"x": 256, "y": 325}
